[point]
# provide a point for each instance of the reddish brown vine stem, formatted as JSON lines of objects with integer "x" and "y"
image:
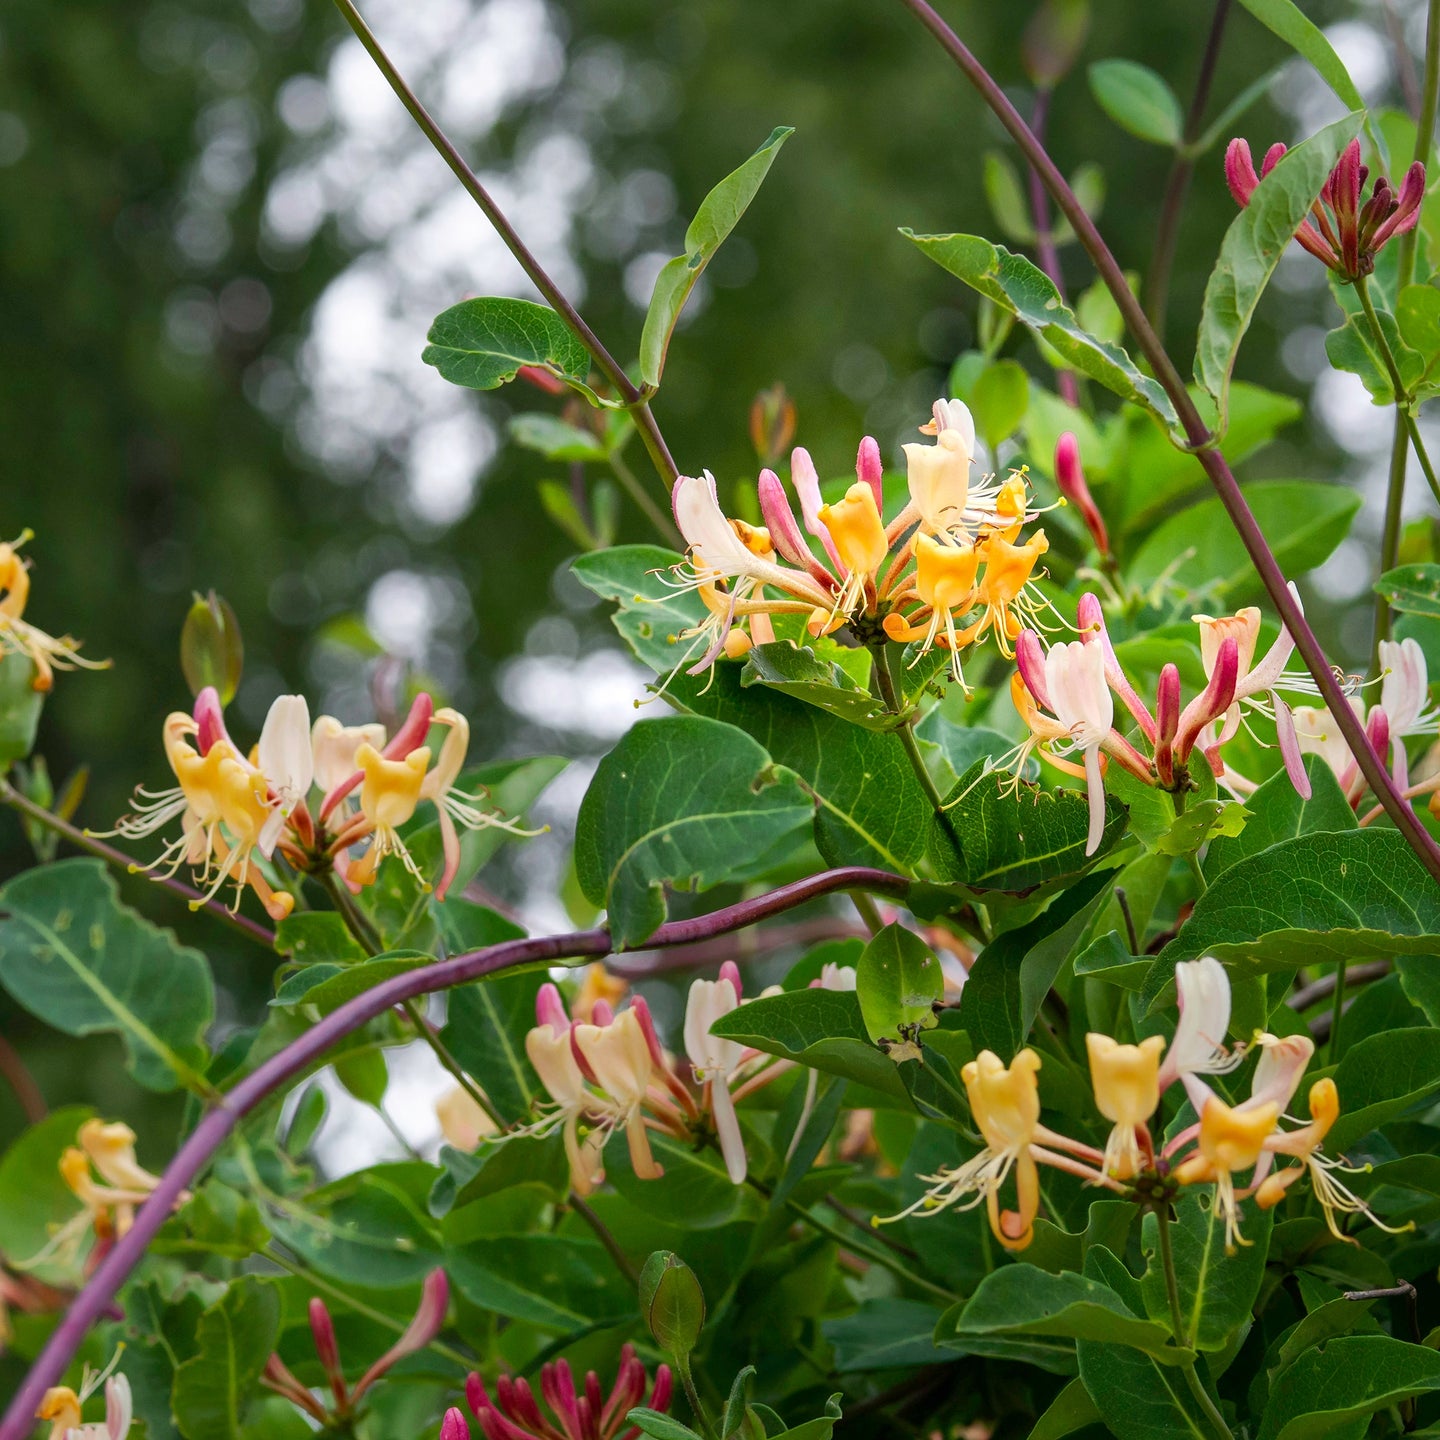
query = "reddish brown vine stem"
{"x": 95, "y": 1299}
{"x": 1199, "y": 438}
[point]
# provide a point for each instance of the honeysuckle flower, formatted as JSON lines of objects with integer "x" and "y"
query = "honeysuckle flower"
{"x": 1343, "y": 233}
{"x": 619, "y": 1058}
{"x": 424, "y": 1326}
{"x": 1230, "y": 1140}
{"x": 63, "y": 1408}
{"x": 586, "y": 1413}
{"x": 47, "y": 653}
{"x": 939, "y": 474}
{"x": 858, "y": 532}
{"x": 836, "y": 977}
{"x": 287, "y": 761}
{"x": 1202, "y": 991}
{"x": 553, "y": 1056}
{"x": 333, "y": 746}
{"x": 1126, "y": 1082}
{"x": 1317, "y": 733}
{"x": 453, "y": 1426}
{"x": 1405, "y": 699}
{"x": 1080, "y": 699}
{"x": 463, "y": 1123}
{"x": 1303, "y": 1144}
{"x": 715, "y": 1060}
{"x": 1005, "y": 1105}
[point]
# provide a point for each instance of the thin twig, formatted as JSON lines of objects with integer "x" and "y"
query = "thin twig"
{"x": 1045, "y": 248}
{"x": 1305, "y": 997}
{"x": 9, "y": 795}
{"x": 602, "y": 1233}
{"x": 17, "y": 1075}
{"x": 1182, "y": 170}
{"x": 1198, "y": 439}
{"x": 635, "y": 399}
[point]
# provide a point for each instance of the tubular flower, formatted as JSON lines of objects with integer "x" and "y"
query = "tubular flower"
{"x": 424, "y": 1326}
{"x": 918, "y": 576}
{"x": 1342, "y": 232}
{"x": 232, "y": 807}
{"x": 1126, "y": 1081}
{"x": 1202, "y": 989}
{"x": 618, "y": 1055}
{"x": 716, "y": 1060}
{"x": 1070, "y": 481}
{"x": 568, "y": 1414}
{"x": 63, "y": 1408}
{"x": 1303, "y": 1144}
{"x": 1230, "y": 1140}
{"x": 1005, "y": 1104}
{"x": 47, "y": 653}
{"x": 1316, "y": 733}
{"x": 1405, "y": 699}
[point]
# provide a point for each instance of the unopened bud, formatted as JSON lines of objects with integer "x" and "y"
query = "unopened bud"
{"x": 327, "y": 1349}
{"x": 1070, "y": 480}
{"x": 772, "y": 423}
{"x": 1053, "y": 40}
{"x": 672, "y": 1302}
{"x": 211, "y": 650}
{"x": 453, "y": 1426}
{"x": 541, "y": 379}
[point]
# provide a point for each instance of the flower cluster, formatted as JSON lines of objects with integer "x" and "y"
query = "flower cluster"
{"x": 1342, "y": 232}
{"x": 949, "y": 569}
{"x": 236, "y": 809}
{"x": 1066, "y": 694}
{"x": 107, "y": 1151}
{"x": 423, "y": 1328}
{"x": 1128, "y": 1081}
{"x": 610, "y": 1073}
{"x": 589, "y": 1414}
{"x": 48, "y": 653}
{"x": 63, "y": 1408}
{"x": 1403, "y": 710}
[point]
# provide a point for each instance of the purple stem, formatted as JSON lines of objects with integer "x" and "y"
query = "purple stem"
{"x": 95, "y": 1299}
{"x": 1045, "y": 237}
{"x": 1201, "y": 441}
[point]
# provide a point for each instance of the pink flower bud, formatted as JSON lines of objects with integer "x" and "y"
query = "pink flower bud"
{"x": 209, "y": 719}
{"x": 1167, "y": 722}
{"x": 780, "y": 522}
{"x": 1091, "y": 621}
{"x": 869, "y": 470}
{"x": 327, "y": 1349}
{"x": 453, "y": 1426}
{"x": 731, "y": 971}
{"x": 423, "y": 1328}
{"x": 1240, "y": 173}
{"x": 550, "y": 1008}
{"x": 541, "y": 379}
{"x": 1030, "y": 661}
{"x": 1070, "y": 479}
{"x": 1212, "y": 702}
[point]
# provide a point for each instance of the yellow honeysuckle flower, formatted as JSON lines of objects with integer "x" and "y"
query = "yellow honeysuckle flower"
{"x": 389, "y": 794}
{"x": 1304, "y": 1145}
{"x": 1127, "y": 1092}
{"x": 858, "y": 531}
{"x": 1005, "y": 589}
{"x": 944, "y": 581}
{"x": 47, "y": 653}
{"x": 1230, "y": 1139}
{"x": 63, "y": 1408}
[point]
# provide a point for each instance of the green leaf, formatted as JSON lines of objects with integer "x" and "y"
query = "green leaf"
{"x": 1278, "y": 813}
{"x": 486, "y": 1021}
{"x": 1417, "y": 312}
{"x": 797, "y": 671}
{"x": 1304, "y": 520}
{"x": 898, "y": 982}
{"x": 32, "y": 1194}
{"x": 1013, "y": 837}
{"x": 1379, "y": 1079}
{"x": 1354, "y": 896}
{"x": 661, "y": 1427}
{"x": 552, "y": 1281}
{"x": 820, "y": 1428}
{"x": 330, "y": 985}
{"x": 493, "y": 1168}
{"x": 1025, "y": 291}
{"x": 20, "y": 707}
{"x": 652, "y": 815}
{"x": 1349, "y": 1379}
{"x": 884, "y": 1334}
{"x": 1353, "y": 347}
{"x": 719, "y": 213}
{"x": 236, "y": 1336}
{"x": 652, "y": 612}
{"x": 1071, "y": 1410}
{"x": 695, "y": 1183}
{"x": 1108, "y": 958}
{"x": 77, "y": 958}
{"x": 1217, "y": 1291}
{"x": 1253, "y": 245}
{"x": 1007, "y": 198}
{"x": 1000, "y": 400}
{"x": 313, "y": 937}
{"x": 1137, "y": 100}
{"x": 552, "y": 437}
{"x": 1413, "y": 589}
{"x": 483, "y": 343}
{"x": 1024, "y": 1300}
{"x": 1014, "y": 972}
{"x": 823, "y": 1029}
{"x": 1285, "y": 19}
{"x": 1139, "y": 1399}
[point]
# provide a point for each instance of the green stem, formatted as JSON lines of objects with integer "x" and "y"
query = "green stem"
{"x": 876, "y": 1257}
{"x": 611, "y": 1244}
{"x": 1390, "y": 535}
{"x": 1338, "y": 1009}
{"x": 358, "y": 924}
{"x": 652, "y": 512}
{"x": 890, "y": 694}
{"x": 637, "y": 401}
{"x": 1197, "y": 872}
{"x": 1424, "y": 132}
{"x": 82, "y": 840}
{"x": 702, "y": 1419}
{"x": 869, "y": 914}
{"x": 1177, "y": 1326}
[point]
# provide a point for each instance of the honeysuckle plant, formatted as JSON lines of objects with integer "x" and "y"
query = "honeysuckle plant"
{"x": 1004, "y": 995}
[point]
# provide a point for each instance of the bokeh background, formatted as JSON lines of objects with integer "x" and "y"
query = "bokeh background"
{"x": 222, "y": 242}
